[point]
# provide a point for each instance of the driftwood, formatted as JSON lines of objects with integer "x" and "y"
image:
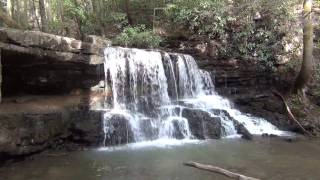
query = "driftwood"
{"x": 219, "y": 170}
{"x": 290, "y": 113}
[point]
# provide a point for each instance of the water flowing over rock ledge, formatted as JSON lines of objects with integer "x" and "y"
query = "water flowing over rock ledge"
{"x": 55, "y": 93}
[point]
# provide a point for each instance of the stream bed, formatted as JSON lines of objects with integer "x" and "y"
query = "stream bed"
{"x": 265, "y": 158}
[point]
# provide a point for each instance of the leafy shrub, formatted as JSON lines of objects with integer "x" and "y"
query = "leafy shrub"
{"x": 203, "y": 17}
{"x": 137, "y": 36}
{"x": 119, "y": 19}
{"x": 236, "y": 27}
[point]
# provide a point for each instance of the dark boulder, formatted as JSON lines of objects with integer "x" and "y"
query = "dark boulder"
{"x": 27, "y": 133}
{"x": 22, "y": 134}
{"x": 86, "y": 128}
{"x": 148, "y": 130}
{"x": 202, "y": 124}
{"x": 118, "y": 130}
{"x": 178, "y": 131}
{"x": 241, "y": 129}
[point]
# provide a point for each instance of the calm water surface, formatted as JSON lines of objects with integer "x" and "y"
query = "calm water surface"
{"x": 262, "y": 158}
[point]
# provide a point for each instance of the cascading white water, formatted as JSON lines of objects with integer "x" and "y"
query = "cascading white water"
{"x": 150, "y": 93}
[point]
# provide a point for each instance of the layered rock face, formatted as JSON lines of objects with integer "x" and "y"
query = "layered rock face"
{"x": 27, "y": 133}
{"x": 53, "y": 90}
{"x": 50, "y": 90}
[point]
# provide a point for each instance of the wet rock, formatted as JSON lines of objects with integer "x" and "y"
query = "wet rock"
{"x": 148, "y": 130}
{"x": 289, "y": 140}
{"x": 271, "y": 109}
{"x": 179, "y": 130}
{"x": 27, "y": 133}
{"x": 241, "y": 129}
{"x": 118, "y": 130}
{"x": 86, "y": 128}
{"x": 202, "y": 125}
{"x": 22, "y": 134}
{"x": 269, "y": 135}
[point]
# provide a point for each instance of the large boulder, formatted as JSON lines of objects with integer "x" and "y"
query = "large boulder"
{"x": 240, "y": 128}
{"x": 22, "y": 134}
{"x": 202, "y": 124}
{"x": 86, "y": 128}
{"x": 147, "y": 128}
{"x": 117, "y": 130}
{"x": 27, "y": 133}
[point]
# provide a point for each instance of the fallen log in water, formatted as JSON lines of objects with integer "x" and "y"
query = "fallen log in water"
{"x": 219, "y": 170}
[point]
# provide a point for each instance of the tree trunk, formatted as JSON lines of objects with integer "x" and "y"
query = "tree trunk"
{"x": 127, "y": 6}
{"x": 80, "y": 34}
{"x": 34, "y": 14}
{"x": 61, "y": 10}
{"x": 48, "y": 6}
{"x": 12, "y": 13}
{"x": 44, "y": 22}
{"x": 9, "y": 7}
{"x": 25, "y": 15}
{"x": 307, "y": 64}
{"x": 0, "y": 76}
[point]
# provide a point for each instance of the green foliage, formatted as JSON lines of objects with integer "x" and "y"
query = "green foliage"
{"x": 73, "y": 10}
{"x": 204, "y": 17}
{"x": 241, "y": 31}
{"x": 137, "y": 36}
{"x": 118, "y": 19}
{"x": 79, "y": 13}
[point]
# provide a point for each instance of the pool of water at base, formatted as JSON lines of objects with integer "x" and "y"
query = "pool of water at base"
{"x": 265, "y": 158}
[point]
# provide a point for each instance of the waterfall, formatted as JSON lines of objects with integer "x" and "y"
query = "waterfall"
{"x": 154, "y": 95}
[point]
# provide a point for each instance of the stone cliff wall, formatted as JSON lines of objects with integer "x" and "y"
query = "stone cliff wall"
{"x": 50, "y": 87}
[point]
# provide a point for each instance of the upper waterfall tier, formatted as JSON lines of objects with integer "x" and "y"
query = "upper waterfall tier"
{"x": 153, "y": 95}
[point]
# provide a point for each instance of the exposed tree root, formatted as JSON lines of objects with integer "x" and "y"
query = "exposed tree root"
{"x": 219, "y": 170}
{"x": 275, "y": 92}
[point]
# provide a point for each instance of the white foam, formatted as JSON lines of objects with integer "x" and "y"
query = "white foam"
{"x": 254, "y": 125}
{"x": 159, "y": 143}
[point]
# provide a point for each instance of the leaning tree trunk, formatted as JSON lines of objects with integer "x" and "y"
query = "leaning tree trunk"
{"x": 44, "y": 22}
{"x": 0, "y": 77}
{"x": 128, "y": 12}
{"x": 307, "y": 64}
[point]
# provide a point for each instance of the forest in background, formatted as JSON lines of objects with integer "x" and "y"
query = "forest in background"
{"x": 269, "y": 32}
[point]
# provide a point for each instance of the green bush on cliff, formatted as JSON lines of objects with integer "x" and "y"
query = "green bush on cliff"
{"x": 246, "y": 30}
{"x": 203, "y": 17}
{"x": 137, "y": 36}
